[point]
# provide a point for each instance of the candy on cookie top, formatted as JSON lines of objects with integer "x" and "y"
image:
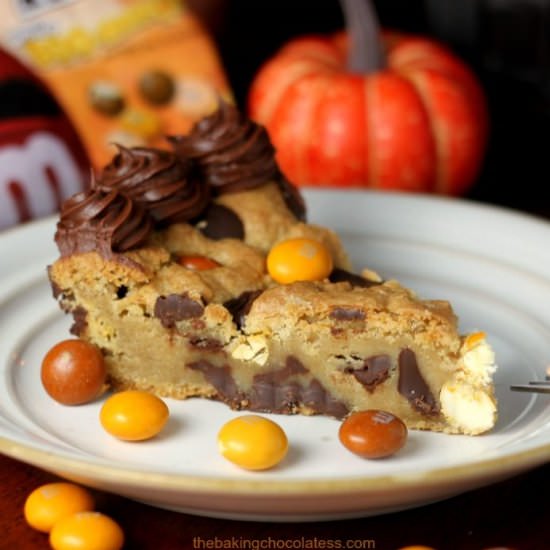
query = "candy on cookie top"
{"x": 232, "y": 152}
{"x": 166, "y": 186}
{"x": 105, "y": 222}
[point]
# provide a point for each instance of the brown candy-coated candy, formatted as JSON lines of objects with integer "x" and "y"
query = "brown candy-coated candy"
{"x": 373, "y": 433}
{"x": 73, "y": 372}
{"x": 156, "y": 87}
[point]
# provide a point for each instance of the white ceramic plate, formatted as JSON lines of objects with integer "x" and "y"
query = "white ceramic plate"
{"x": 494, "y": 265}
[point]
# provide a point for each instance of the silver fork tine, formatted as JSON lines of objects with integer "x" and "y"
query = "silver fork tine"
{"x": 542, "y": 386}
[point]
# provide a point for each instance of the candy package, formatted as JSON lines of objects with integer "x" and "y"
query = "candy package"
{"x": 125, "y": 72}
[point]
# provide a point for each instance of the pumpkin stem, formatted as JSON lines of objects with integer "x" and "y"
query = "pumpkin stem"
{"x": 366, "y": 53}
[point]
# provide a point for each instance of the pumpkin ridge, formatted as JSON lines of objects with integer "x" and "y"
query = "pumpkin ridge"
{"x": 417, "y": 79}
{"x": 372, "y": 173}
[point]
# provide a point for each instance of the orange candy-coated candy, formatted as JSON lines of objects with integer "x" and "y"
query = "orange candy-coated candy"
{"x": 197, "y": 263}
{"x": 373, "y": 433}
{"x": 48, "y": 504}
{"x": 299, "y": 260}
{"x": 87, "y": 530}
{"x": 252, "y": 442}
{"x": 133, "y": 415}
{"x": 472, "y": 340}
{"x": 73, "y": 372}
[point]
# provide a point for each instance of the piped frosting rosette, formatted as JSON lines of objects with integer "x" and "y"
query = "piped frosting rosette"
{"x": 105, "y": 222}
{"x": 235, "y": 154}
{"x": 166, "y": 186}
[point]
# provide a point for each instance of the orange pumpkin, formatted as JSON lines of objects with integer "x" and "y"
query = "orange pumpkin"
{"x": 417, "y": 123}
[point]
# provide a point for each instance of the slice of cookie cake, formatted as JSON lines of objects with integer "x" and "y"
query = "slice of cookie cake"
{"x": 196, "y": 274}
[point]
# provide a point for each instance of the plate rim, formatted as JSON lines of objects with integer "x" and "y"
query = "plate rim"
{"x": 174, "y": 482}
{"x": 134, "y": 476}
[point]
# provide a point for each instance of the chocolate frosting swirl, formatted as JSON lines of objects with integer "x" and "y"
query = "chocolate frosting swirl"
{"x": 233, "y": 152}
{"x": 166, "y": 186}
{"x": 106, "y": 222}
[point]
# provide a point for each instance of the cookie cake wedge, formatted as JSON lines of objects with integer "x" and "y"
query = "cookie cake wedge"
{"x": 165, "y": 266}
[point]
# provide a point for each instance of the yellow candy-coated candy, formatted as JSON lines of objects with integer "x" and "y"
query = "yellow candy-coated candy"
{"x": 87, "y": 530}
{"x": 51, "y": 502}
{"x": 299, "y": 260}
{"x": 134, "y": 415}
{"x": 252, "y": 442}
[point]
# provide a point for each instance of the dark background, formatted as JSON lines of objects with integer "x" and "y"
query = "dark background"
{"x": 506, "y": 43}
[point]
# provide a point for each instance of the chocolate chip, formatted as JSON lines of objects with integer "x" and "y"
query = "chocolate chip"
{"x": 157, "y": 87}
{"x": 176, "y": 307}
{"x": 293, "y": 199}
{"x": 220, "y": 222}
{"x": 320, "y": 401}
{"x": 276, "y": 398}
{"x": 272, "y": 391}
{"x": 240, "y": 306}
{"x": 412, "y": 385}
{"x": 375, "y": 370}
{"x": 205, "y": 344}
{"x": 221, "y": 379}
{"x": 347, "y": 314}
{"x": 121, "y": 292}
{"x": 341, "y": 275}
{"x": 293, "y": 366}
{"x": 80, "y": 321}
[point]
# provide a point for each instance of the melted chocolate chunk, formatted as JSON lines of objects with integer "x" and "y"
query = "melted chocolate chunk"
{"x": 240, "y": 306}
{"x": 221, "y": 379}
{"x": 412, "y": 386}
{"x": 274, "y": 392}
{"x": 267, "y": 396}
{"x": 292, "y": 197}
{"x": 376, "y": 370}
{"x": 292, "y": 366}
{"x": 176, "y": 307}
{"x": 347, "y": 314}
{"x": 80, "y": 321}
{"x": 342, "y": 276}
{"x": 220, "y": 222}
{"x": 320, "y": 401}
{"x": 206, "y": 344}
{"x": 271, "y": 392}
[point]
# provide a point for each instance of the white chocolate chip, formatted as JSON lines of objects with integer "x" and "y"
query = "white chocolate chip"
{"x": 253, "y": 349}
{"x": 467, "y": 400}
{"x": 371, "y": 275}
{"x": 471, "y": 410}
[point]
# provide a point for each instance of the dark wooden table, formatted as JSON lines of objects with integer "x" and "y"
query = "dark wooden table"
{"x": 513, "y": 514}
